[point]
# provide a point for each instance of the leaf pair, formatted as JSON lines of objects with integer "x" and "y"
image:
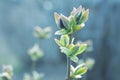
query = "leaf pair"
{"x": 70, "y": 49}
{"x": 74, "y": 51}
{"x": 78, "y": 71}
{"x": 64, "y": 41}
{"x": 64, "y": 23}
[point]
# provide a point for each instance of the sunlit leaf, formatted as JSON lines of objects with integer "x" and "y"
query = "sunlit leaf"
{"x": 80, "y": 69}
{"x": 58, "y": 42}
{"x": 74, "y": 50}
{"x": 56, "y": 15}
{"x": 61, "y": 32}
{"x": 65, "y": 20}
{"x": 72, "y": 22}
{"x": 78, "y": 27}
{"x": 65, "y": 51}
{"x": 84, "y": 17}
{"x": 75, "y": 59}
{"x": 64, "y": 40}
{"x": 82, "y": 48}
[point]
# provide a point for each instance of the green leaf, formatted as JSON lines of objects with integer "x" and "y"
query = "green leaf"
{"x": 74, "y": 50}
{"x": 84, "y": 17}
{"x": 64, "y": 40}
{"x": 72, "y": 69}
{"x": 71, "y": 46}
{"x": 78, "y": 16}
{"x": 64, "y": 20}
{"x": 61, "y": 32}
{"x": 75, "y": 59}
{"x": 80, "y": 69}
{"x": 56, "y": 15}
{"x": 58, "y": 42}
{"x": 82, "y": 48}
{"x": 72, "y": 22}
{"x": 65, "y": 50}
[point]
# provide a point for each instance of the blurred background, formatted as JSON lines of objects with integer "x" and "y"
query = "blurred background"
{"x": 18, "y": 19}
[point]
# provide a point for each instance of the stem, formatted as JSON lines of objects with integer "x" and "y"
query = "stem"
{"x": 68, "y": 68}
{"x": 69, "y": 62}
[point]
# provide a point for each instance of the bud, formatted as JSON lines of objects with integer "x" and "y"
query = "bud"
{"x": 42, "y": 33}
{"x": 80, "y": 14}
{"x": 8, "y": 69}
{"x": 35, "y": 53}
{"x": 72, "y": 23}
{"x": 35, "y": 76}
{"x": 5, "y": 76}
{"x": 7, "y": 73}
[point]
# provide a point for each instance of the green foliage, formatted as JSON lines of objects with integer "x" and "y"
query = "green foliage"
{"x": 78, "y": 71}
{"x": 68, "y": 26}
{"x": 80, "y": 15}
{"x": 64, "y": 41}
{"x": 72, "y": 23}
{"x": 70, "y": 49}
{"x": 89, "y": 45}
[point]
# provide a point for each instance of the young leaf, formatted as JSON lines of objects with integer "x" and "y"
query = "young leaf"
{"x": 72, "y": 69}
{"x": 65, "y": 20}
{"x": 80, "y": 69}
{"x": 64, "y": 40}
{"x": 74, "y": 50}
{"x": 56, "y": 15}
{"x": 58, "y": 42}
{"x": 65, "y": 51}
{"x": 78, "y": 76}
{"x": 72, "y": 21}
{"x": 61, "y": 32}
{"x": 75, "y": 59}
{"x": 78, "y": 27}
{"x": 84, "y": 17}
{"x": 71, "y": 46}
{"x": 82, "y": 48}
{"x": 61, "y": 24}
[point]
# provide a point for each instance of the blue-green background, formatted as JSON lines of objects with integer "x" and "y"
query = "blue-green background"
{"x": 19, "y": 17}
